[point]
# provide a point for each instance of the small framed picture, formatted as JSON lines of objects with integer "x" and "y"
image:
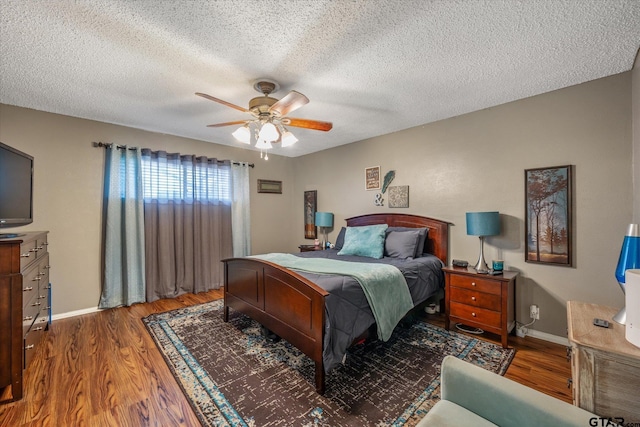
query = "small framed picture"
{"x": 310, "y": 203}
{"x": 268, "y": 186}
{"x": 399, "y": 196}
{"x": 372, "y": 178}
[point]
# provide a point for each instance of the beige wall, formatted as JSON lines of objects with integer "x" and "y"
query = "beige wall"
{"x": 476, "y": 162}
{"x": 68, "y": 192}
{"x": 472, "y": 162}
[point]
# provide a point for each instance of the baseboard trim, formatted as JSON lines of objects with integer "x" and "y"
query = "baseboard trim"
{"x": 547, "y": 337}
{"x": 75, "y": 313}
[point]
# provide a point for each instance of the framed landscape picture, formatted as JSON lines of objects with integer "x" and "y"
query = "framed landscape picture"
{"x": 548, "y": 215}
{"x": 310, "y": 207}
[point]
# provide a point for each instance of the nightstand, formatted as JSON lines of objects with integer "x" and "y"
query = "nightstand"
{"x": 480, "y": 300}
{"x": 309, "y": 248}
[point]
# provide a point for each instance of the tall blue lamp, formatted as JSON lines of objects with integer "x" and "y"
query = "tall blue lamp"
{"x": 324, "y": 220}
{"x": 483, "y": 224}
{"x": 629, "y": 259}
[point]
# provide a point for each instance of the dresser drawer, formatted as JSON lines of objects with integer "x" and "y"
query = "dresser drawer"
{"x": 476, "y": 314}
{"x": 482, "y": 285}
{"x": 30, "y": 311}
{"x": 28, "y": 253}
{"x": 475, "y": 298}
{"x": 43, "y": 271}
{"x": 31, "y": 342}
{"x": 30, "y": 283}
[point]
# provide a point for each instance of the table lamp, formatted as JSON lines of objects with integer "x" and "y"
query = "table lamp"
{"x": 483, "y": 224}
{"x": 324, "y": 220}
{"x": 629, "y": 258}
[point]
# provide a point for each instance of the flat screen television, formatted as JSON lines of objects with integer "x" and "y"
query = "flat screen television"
{"x": 16, "y": 188}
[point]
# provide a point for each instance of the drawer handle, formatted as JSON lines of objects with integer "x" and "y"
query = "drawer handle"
{"x": 33, "y": 250}
{"x": 36, "y": 279}
{"x": 35, "y": 304}
{"x": 46, "y": 243}
{"x": 40, "y": 247}
{"x": 473, "y": 283}
{"x": 42, "y": 296}
{"x": 47, "y": 267}
{"x": 39, "y": 328}
{"x": 27, "y": 289}
{"x": 569, "y": 382}
{"x": 473, "y": 298}
{"x": 29, "y": 347}
{"x": 48, "y": 307}
{"x": 25, "y": 255}
{"x": 473, "y": 314}
{"x": 28, "y": 318}
{"x": 568, "y": 354}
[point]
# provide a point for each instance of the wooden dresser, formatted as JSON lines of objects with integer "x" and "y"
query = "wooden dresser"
{"x": 480, "y": 300}
{"x": 25, "y": 309}
{"x": 605, "y": 367}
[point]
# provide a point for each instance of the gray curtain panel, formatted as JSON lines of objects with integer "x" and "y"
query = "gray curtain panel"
{"x": 124, "y": 276}
{"x": 187, "y": 222}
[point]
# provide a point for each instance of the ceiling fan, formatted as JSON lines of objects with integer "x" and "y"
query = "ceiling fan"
{"x": 270, "y": 116}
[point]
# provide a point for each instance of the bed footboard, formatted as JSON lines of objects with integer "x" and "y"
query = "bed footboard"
{"x": 282, "y": 301}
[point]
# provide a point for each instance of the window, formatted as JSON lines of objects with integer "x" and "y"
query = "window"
{"x": 184, "y": 178}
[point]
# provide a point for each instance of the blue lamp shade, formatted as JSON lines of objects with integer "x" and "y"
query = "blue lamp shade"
{"x": 483, "y": 223}
{"x": 324, "y": 219}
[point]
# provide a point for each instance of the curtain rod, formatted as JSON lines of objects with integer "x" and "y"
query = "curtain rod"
{"x": 109, "y": 145}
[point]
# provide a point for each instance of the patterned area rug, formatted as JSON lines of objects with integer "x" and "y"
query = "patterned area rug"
{"x": 234, "y": 376}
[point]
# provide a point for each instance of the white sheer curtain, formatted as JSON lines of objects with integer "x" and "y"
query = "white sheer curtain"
{"x": 124, "y": 256}
{"x": 240, "y": 209}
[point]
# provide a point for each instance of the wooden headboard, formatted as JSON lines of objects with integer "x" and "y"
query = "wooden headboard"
{"x": 437, "y": 242}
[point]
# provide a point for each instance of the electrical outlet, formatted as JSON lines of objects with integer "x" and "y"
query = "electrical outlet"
{"x": 534, "y": 312}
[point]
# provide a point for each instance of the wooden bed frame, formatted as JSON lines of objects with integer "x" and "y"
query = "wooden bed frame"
{"x": 293, "y": 307}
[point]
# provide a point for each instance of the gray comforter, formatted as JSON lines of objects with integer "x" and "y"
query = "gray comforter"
{"x": 348, "y": 314}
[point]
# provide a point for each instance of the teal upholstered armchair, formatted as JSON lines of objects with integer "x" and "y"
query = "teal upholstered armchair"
{"x": 472, "y": 396}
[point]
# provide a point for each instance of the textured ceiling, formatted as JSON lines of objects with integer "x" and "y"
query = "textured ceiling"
{"x": 369, "y": 66}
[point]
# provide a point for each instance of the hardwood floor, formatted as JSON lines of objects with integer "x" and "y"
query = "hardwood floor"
{"x": 103, "y": 369}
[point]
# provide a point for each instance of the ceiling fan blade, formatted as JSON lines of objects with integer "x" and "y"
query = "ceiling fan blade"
{"x": 237, "y": 122}
{"x": 292, "y": 101}
{"x": 228, "y": 104}
{"x": 308, "y": 124}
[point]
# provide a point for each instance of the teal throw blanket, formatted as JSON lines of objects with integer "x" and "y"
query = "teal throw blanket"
{"x": 384, "y": 285}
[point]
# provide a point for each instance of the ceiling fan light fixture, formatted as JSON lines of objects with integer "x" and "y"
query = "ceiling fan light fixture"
{"x": 263, "y": 144}
{"x": 243, "y": 134}
{"x": 268, "y": 132}
{"x": 288, "y": 139}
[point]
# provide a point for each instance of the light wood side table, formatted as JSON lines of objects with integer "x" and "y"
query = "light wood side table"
{"x": 605, "y": 367}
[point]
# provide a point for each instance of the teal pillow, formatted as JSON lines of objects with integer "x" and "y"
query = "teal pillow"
{"x": 367, "y": 241}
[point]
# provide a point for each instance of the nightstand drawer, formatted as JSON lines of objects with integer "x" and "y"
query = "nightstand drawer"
{"x": 476, "y": 314}
{"x": 476, "y": 299}
{"x": 475, "y": 283}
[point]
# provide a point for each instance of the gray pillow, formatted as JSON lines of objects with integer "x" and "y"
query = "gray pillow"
{"x": 401, "y": 244}
{"x": 340, "y": 239}
{"x": 419, "y": 250}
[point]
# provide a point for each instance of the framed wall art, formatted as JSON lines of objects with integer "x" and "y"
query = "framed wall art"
{"x": 372, "y": 178}
{"x": 548, "y": 215}
{"x": 399, "y": 196}
{"x": 269, "y": 186}
{"x": 310, "y": 207}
